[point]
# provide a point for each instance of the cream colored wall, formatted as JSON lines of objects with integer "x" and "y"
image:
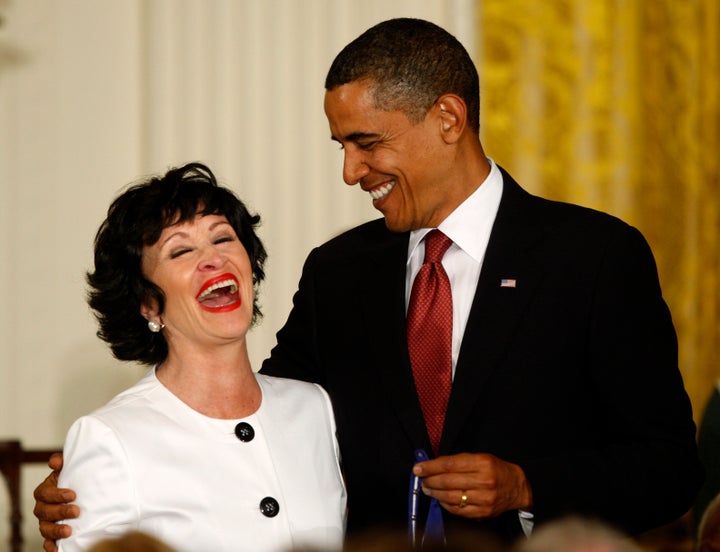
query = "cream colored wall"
{"x": 96, "y": 93}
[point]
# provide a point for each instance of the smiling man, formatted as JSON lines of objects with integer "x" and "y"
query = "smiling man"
{"x": 558, "y": 325}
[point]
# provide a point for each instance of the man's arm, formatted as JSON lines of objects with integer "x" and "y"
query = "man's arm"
{"x": 295, "y": 354}
{"x": 51, "y": 505}
{"x": 638, "y": 467}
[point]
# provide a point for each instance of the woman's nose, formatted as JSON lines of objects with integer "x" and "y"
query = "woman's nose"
{"x": 211, "y": 258}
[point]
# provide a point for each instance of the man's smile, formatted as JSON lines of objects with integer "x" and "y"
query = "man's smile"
{"x": 381, "y": 191}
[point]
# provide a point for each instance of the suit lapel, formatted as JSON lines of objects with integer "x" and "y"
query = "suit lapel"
{"x": 496, "y": 308}
{"x": 388, "y": 343}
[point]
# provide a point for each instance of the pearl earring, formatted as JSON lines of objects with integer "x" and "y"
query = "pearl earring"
{"x": 155, "y": 327}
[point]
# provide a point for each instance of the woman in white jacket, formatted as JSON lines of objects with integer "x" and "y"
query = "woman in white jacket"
{"x": 202, "y": 453}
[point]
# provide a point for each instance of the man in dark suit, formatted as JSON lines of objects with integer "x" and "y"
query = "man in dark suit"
{"x": 566, "y": 394}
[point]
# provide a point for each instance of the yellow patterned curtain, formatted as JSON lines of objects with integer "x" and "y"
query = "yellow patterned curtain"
{"x": 614, "y": 104}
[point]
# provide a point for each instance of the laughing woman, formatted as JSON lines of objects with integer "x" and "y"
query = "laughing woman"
{"x": 202, "y": 453}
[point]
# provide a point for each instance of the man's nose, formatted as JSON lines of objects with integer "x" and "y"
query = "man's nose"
{"x": 354, "y": 166}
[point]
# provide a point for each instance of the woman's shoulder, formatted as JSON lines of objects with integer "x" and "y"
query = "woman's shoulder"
{"x": 287, "y": 385}
{"x": 292, "y": 393}
{"x": 298, "y": 404}
{"x": 132, "y": 398}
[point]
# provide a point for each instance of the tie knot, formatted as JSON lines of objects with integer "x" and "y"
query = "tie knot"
{"x": 436, "y": 243}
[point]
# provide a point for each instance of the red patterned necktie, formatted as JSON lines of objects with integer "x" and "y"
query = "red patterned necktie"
{"x": 429, "y": 335}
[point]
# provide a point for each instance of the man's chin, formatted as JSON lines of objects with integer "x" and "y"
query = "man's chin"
{"x": 396, "y": 225}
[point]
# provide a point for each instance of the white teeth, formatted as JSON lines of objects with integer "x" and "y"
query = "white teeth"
{"x": 232, "y": 284}
{"x": 382, "y": 191}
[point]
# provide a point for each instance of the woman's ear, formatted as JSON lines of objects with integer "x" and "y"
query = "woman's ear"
{"x": 453, "y": 117}
{"x": 150, "y": 313}
{"x": 149, "y": 309}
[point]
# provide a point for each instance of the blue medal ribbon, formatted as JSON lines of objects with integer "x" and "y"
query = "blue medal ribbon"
{"x": 434, "y": 527}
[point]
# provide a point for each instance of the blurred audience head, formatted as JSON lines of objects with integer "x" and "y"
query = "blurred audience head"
{"x": 709, "y": 529}
{"x": 132, "y": 541}
{"x": 576, "y": 534}
{"x": 390, "y": 540}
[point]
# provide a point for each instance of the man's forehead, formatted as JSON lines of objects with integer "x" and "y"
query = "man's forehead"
{"x": 352, "y": 115}
{"x": 348, "y": 111}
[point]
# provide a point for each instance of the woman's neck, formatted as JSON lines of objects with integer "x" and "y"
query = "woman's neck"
{"x": 218, "y": 383}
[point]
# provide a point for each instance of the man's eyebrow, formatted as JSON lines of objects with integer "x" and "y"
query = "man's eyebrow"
{"x": 356, "y": 137}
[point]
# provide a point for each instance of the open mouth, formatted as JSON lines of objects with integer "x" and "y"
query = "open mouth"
{"x": 381, "y": 191}
{"x": 220, "y": 294}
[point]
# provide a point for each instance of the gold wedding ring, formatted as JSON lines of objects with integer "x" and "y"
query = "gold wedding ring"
{"x": 463, "y": 501}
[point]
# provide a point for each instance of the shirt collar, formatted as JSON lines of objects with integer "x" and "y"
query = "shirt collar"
{"x": 469, "y": 225}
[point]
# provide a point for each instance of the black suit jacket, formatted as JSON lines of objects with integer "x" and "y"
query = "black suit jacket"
{"x": 572, "y": 373}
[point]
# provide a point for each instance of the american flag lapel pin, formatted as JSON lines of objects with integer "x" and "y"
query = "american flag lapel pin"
{"x": 508, "y": 282}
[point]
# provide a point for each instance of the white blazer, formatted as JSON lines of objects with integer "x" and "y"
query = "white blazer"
{"x": 147, "y": 461}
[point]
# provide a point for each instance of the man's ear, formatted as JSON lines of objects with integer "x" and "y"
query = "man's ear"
{"x": 452, "y": 115}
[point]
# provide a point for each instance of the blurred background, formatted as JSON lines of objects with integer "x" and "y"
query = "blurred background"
{"x": 613, "y": 104}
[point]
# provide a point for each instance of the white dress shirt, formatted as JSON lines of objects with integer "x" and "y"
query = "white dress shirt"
{"x": 469, "y": 227}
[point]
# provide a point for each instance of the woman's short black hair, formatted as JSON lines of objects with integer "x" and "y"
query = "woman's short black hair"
{"x": 135, "y": 220}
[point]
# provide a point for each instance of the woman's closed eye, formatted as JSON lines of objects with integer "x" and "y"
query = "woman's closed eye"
{"x": 175, "y": 253}
{"x": 224, "y": 239}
